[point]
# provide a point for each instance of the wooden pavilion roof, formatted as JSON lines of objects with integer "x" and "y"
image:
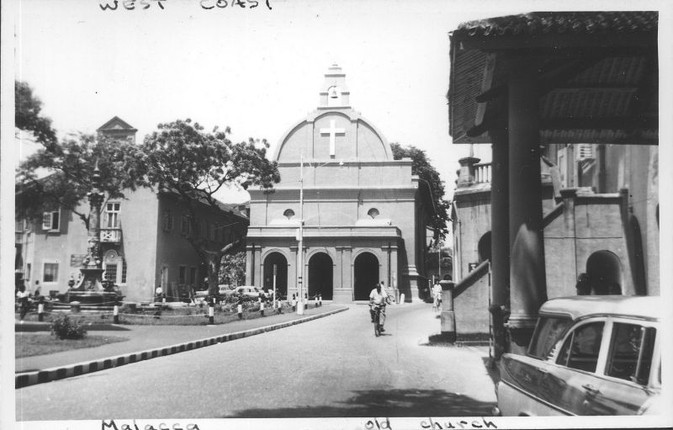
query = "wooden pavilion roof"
{"x": 598, "y": 75}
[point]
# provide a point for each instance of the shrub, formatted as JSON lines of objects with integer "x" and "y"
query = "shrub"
{"x": 65, "y": 328}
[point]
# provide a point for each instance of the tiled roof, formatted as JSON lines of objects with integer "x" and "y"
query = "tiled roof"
{"x": 541, "y": 23}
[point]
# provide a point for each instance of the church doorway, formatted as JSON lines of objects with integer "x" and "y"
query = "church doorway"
{"x": 605, "y": 273}
{"x": 276, "y": 259}
{"x": 320, "y": 276}
{"x": 366, "y": 275}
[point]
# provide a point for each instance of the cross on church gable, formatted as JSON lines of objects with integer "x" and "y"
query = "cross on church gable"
{"x": 332, "y": 131}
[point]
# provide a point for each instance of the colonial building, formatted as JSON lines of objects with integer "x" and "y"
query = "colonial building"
{"x": 569, "y": 102}
{"x": 364, "y": 214}
{"x": 143, "y": 243}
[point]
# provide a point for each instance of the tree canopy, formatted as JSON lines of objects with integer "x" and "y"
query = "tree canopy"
{"x": 69, "y": 166}
{"x": 27, "y": 115}
{"x": 194, "y": 165}
{"x": 421, "y": 166}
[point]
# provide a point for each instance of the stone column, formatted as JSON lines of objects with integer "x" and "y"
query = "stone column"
{"x": 527, "y": 271}
{"x": 292, "y": 277}
{"x": 249, "y": 264}
{"x": 499, "y": 239}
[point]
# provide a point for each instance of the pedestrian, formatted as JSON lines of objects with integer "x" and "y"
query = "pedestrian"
{"x": 36, "y": 294}
{"x": 22, "y": 297}
{"x": 437, "y": 296}
{"x": 583, "y": 285}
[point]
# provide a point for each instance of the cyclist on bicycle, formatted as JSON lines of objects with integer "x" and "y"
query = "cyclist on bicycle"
{"x": 378, "y": 297}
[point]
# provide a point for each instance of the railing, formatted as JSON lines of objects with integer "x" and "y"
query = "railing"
{"x": 111, "y": 235}
{"x": 482, "y": 173}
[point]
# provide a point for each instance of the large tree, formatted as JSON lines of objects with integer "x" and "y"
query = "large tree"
{"x": 28, "y": 117}
{"x": 69, "y": 166}
{"x": 421, "y": 166}
{"x": 194, "y": 165}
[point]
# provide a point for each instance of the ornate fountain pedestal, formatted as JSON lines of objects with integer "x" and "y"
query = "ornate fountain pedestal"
{"x": 90, "y": 290}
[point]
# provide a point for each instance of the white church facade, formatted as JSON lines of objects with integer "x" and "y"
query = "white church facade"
{"x": 364, "y": 213}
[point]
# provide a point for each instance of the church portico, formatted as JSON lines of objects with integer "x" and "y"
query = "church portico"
{"x": 354, "y": 210}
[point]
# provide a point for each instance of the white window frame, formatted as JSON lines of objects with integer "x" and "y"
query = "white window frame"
{"x": 49, "y": 224}
{"x": 112, "y": 214}
{"x": 44, "y": 266}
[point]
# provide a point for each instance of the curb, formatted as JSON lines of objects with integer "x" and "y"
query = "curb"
{"x": 27, "y": 379}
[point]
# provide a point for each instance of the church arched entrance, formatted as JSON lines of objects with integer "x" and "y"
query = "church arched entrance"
{"x": 366, "y": 270}
{"x": 275, "y": 259}
{"x": 320, "y": 276}
{"x": 605, "y": 273}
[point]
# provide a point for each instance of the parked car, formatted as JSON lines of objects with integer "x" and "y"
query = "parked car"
{"x": 245, "y": 290}
{"x": 223, "y": 288}
{"x": 589, "y": 355}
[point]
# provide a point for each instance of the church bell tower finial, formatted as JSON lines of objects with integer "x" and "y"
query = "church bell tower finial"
{"x": 334, "y": 93}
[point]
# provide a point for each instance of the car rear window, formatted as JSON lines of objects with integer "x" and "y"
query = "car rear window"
{"x": 548, "y": 334}
{"x": 631, "y": 350}
{"x": 581, "y": 348}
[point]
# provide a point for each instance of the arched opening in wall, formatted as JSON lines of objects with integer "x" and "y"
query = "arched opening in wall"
{"x": 366, "y": 273}
{"x": 280, "y": 262}
{"x": 320, "y": 276}
{"x": 637, "y": 258}
{"x": 605, "y": 273}
{"x": 484, "y": 247}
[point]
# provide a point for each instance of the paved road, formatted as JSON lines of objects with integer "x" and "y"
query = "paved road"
{"x": 332, "y": 367}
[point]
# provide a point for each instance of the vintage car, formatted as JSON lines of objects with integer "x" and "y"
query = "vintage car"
{"x": 589, "y": 355}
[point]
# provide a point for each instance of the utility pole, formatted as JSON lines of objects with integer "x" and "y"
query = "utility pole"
{"x": 300, "y": 266}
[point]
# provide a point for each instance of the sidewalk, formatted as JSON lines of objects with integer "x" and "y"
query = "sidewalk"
{"x": 146, "y": 342}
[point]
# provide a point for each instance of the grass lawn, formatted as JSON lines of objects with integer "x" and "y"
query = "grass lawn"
{"x": 180, "y": 316}
{"x": 29, "y": 344}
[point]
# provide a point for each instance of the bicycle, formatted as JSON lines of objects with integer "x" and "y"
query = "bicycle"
{"x": 379, "y": 320}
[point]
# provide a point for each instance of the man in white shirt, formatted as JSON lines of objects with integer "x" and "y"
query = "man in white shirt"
{"x": 378, "y": 297}
{"x": 437, "y": 296}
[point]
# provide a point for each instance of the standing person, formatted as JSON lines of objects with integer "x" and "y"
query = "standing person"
{"x": 36, "y": 294}
{"x": 583, "y": 285}
{"x": 437, "y": 296}
{"x": 378, "y": 297}
{"x": 22, "y": 297}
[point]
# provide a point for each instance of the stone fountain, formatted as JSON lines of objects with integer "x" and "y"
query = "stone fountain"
{"x": 90, "y": 289}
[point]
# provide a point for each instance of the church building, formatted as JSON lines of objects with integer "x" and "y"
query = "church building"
{"x": 364, "y": 213}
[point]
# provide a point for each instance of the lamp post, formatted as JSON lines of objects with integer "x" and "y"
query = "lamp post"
{"x": 300, "y": 268}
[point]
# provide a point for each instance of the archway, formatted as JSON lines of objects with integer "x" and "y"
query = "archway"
{"x": 279, "y": 260}
{"x": 605, "y": 273}
{"x": 366, "y": 271}
{"x": 320, "y": 276}
{"x": 484, "y": 247}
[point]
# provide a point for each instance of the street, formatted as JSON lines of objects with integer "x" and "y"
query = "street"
{"x": 331, "y": 367}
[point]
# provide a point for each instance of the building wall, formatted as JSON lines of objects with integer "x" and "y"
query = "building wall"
{"x": 54, "y": 247}
{"x": 139, "y": 219}
{"x": 174, "y": 250}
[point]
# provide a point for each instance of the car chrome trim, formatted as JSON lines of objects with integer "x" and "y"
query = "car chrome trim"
{"x": 544, "y": 402}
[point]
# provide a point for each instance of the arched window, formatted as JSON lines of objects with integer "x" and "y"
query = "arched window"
{"x": 373, "y": 213}
{"x": 289, "y": 213}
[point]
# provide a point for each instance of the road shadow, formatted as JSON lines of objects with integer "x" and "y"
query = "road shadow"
{"x": 383, "y": 403}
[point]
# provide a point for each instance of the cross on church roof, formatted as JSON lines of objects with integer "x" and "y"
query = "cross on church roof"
{"x": 332, "y": 131}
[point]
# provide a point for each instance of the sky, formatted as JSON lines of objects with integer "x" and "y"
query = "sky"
{"x": 255, "y": 70}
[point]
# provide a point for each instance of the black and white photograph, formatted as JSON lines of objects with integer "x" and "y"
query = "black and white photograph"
{"x": 429, "y": 214}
